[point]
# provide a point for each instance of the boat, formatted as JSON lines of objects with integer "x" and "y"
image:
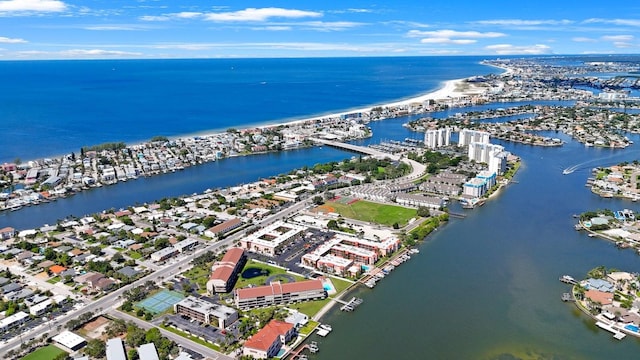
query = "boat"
{"x": 326, "y": 327}
{"x": 568, "y": 279}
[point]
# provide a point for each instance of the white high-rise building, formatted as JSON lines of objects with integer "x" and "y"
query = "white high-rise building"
{"x": 437, "y": 138}
{"x": 498, "y": 162}
{"x": 467, "y": 137}
{"x": 482, "y": 152}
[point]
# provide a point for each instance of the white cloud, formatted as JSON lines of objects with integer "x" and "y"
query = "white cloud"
{"x": 155, "y": 18}
{"x": 273, "y": 28}
{"x": 448, "y": 41}
{"x": 115, "y": 28}
{"x": 452, "y": 36}
{"x": 583, "y": 39}
{"x": 32, "y": 5}
{"x": 448, "y": 34}
{"x": 331, "y": 25}
{"x": 96, "y": 52}
{"x": 509, "y": 49}
{"x": 262, "y": 14}
{"x": 6, "y": 40}
{"x": 521, "y": 22}
{"x": 624, "y": 22}
{"x": 188, "y": 14}
{"x": 617, "y": 38}
{"x": 622, "y": 44}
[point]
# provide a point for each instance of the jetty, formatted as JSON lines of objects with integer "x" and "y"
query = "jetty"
{"x": 568, "y": 280}
{"x": 567, "y": 297}
{"x": 351, "y": 304}
{"x": 324, "y": 330}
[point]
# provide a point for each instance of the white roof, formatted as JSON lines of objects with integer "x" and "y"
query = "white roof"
{"x": 115, "y": 349}
{"x": 68, "y": 339}
{"x": 148, "y": 352}
{"x": 8, "y": 321}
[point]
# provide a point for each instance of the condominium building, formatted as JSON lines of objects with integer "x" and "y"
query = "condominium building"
{"x": 267, "y": 342}
{"x": 206, "y": 312}
{"x": 482, "y": 152}
{"x": 269, "y": 240}
{"x": 467, "y": 136}
{"x": 278, "y": 293}
{"x": 225, "y": 272}
{"x": 475, "y": 187}
{"x": 437, "y": 138}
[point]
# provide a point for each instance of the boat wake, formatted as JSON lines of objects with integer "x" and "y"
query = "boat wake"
{"x": 575, "y": 167}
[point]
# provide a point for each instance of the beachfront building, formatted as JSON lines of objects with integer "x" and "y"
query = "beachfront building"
{"x": 467, "y": 137}
{"x": 278, "y": 293}
{"x": 437, "y": 138}
{"x": 475, "y": 187}
{"x": 267, "y": 342}
{"x": 206, "y": 312}
{"x": 359, "y": 251}
{"x": 225, "y": 272}
{"x": 269, "y": 240}
{"x": 333, "y": 264}
{"x": 482, "y": 152}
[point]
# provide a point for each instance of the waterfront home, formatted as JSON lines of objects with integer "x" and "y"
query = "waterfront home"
{"x": 7, "y": 233}
{"x": 268, "y": 341}
{"x": 598, "y": 284}
{"x": 601, "y": 297}
{"x": 278, "y": 293}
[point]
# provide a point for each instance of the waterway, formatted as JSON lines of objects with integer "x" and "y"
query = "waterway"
{"x": 484, "y": 287}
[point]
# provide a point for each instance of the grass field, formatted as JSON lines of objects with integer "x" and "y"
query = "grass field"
{"x": 259, "y": 280}
{"x": 48, "y": 352}
{"x": 372, "y": 212}
{"x": 199, "y": 275}
{"x": 310, "y": 308}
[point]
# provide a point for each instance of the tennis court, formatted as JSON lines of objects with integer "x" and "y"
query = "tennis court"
{"x": 160, "y": 301}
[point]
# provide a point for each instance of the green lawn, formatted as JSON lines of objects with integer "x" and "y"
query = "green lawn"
{"x": 199, "y": 275}
{"x": 134, "y": 255}
{"x": 374, "y": 212}
{"x": 48, "y": 352}
{"x": 54, "y": 280}
{"x": 260, "y": 280}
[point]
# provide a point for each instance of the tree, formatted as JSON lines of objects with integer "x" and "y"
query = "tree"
{"x": 117, "y": 257}
{"x": 153, "y": 335}
{"x": 333, "y": 225}
{"x": 135, "y": 335}
{"x": 132, "y": 354}
{"x": 318, "y": 200}
{"x": 423, "y": 211}
{"x": 95, "y": 348}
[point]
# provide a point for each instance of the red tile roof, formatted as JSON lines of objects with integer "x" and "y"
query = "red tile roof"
{"x": 57, "y": 269}
{"x": 277, "y": 288}
{"x": 604, "y": 298}
{"x": 269, "y": 334}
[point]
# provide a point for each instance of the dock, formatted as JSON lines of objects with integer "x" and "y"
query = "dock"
{"x": 567, "y": 297}
{"x": 351, "y": 305}
{"x": 568, "y": 280}
{"x": 618, "y": 335}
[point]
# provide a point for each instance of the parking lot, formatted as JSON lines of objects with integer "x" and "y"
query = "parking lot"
{"x": 206, "y": 331}
{"x": 289, "y": 256}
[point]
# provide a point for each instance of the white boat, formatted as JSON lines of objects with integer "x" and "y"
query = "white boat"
{"x": 326, "y": 327}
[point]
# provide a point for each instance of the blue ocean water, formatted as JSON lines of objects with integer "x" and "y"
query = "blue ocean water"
{"x": 50, "y": 108}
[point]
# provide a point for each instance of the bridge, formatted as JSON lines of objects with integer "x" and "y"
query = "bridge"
{"x": 417, "y": 169}
{"x": 356, "y": 148}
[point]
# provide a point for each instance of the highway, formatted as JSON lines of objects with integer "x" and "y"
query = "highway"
{"x": 105, "y": 303}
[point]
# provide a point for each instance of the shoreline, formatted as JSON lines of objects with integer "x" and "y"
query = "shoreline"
{"x": 446, "y": 90}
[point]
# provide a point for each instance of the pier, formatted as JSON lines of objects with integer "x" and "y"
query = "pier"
{"x": 350, "y": 305}
{"x": 568, "y": 280}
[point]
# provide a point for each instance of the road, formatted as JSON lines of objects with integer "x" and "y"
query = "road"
{"x": 103, "y": 304}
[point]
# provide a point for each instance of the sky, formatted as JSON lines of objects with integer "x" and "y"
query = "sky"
{"x": 99, "y": 29}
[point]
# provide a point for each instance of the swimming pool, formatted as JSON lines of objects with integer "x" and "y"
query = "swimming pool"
{"x": 632, "y": 327}
{"x": 328, "y": 287}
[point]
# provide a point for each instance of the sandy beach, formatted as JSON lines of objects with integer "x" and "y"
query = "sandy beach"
{"x": 450, "y": 89}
